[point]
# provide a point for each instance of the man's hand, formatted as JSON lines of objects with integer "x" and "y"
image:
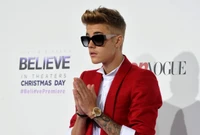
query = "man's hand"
{"x": 79, "y": 110}
{"x": 85, "y": 97}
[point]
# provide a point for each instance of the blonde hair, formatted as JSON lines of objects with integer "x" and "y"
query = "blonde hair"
{"x": 107, "y": 16}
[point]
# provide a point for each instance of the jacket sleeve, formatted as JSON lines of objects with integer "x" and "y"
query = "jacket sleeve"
{"x": 145, "y": 101}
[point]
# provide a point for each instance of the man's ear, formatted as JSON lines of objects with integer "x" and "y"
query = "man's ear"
{"x": 119, "y": 41}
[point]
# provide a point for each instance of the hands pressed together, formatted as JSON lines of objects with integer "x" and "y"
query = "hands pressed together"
{"x": 84, "y": 96}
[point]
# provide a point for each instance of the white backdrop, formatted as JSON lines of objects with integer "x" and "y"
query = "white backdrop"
{"x": 44, "y": 30}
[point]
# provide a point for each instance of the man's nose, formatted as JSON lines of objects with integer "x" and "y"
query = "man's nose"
{"x": 91, "y": 44}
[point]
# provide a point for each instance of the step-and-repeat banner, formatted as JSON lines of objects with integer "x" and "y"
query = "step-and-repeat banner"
{"x": 41, "y": 53}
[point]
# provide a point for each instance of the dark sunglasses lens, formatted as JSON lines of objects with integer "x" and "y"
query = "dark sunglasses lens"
{"x": 98, "y": 40}
{"x": 85, "y": 41}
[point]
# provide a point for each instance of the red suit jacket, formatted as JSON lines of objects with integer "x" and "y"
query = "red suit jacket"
{"x": 133, "y": 99}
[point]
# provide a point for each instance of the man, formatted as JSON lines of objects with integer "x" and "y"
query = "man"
{"x": 119, "y": 98}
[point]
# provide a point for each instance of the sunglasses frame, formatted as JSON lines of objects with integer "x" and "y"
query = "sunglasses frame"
{"x": 105, "y": 37}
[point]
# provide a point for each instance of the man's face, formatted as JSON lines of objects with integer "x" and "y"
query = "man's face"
{"x": 105, "y": 53}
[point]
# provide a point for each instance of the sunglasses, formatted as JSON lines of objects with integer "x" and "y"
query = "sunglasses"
{"x": 98, "y": 40}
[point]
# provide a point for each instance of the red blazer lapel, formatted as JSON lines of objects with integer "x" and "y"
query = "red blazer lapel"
{"x": 97, "y": 82}
{"x": 92, "y": 77}
{"x": 115, "y": 86}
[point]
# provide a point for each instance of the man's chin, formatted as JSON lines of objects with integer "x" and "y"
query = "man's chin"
{"x": 95, "y": 61}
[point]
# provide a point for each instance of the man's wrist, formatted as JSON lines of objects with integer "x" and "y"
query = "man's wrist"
{"x": 81, "y": 115}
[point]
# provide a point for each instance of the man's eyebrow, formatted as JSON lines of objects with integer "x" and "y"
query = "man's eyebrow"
{"x": 95, "y": 33}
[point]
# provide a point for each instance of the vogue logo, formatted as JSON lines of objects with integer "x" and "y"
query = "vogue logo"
{"x": 166, "y": 68}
